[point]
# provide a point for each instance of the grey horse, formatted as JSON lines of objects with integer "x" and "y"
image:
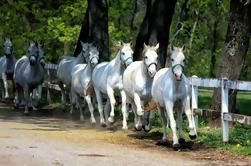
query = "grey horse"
{"x": 29, "y": 73}
{"x": 65, "y": 67}
{"x": 7, "y": 64}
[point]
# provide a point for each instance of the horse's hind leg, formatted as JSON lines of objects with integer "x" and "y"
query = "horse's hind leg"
{"x": 4, "y": 77}
{"x": 78, "y": 102}
{"x": 91, "y": 109}
{"x": 100, "y": 106}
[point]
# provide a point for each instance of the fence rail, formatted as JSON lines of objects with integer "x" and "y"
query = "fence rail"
{"x": 195, "y": 83}
{"x": 225, "y": 86}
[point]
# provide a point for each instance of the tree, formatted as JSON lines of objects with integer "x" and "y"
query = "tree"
{"x": 155, "y": 27}
{"x": 95, "y": 28}
{"x": 236, "y": 46}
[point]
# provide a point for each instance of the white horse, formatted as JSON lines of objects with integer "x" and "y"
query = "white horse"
{"x": 107, "y": 77}
{"x": 7, "y": 65}
{"x": 81, "y": 84}
{"x": 137, "y": 82}
{"x": 169, "y": 86}
{"x": 65, "y": 67}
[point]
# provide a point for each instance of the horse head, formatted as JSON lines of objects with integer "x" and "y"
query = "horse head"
{"x": 126, "y": 54}
{"x": 177, "y": 58}
{"x": 93, "y": 55}
{"x": 41, "y": 53}
{"x": 150, "y": 58}
{"x": 8, "y": 47}
{"x": 33, "y": 53}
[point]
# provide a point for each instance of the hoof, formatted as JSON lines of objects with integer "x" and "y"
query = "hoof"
{"x": 192, "y": 136}
{"x": 103, "y": 125}
{"x": 182, "y": 141}
{"x": 93, "y": 121}
{"x": 125, "y": 128}
{"x": 140, "y": 113}
{"x": 176, "y": 146}
{"x": 111, "y": 119}
{"x": 34, "y": 109}
{"x": 26, "y": 113}
{"x": 146, "y": 128}
{"x": 16, "y": 107}
{"x": 82, "y": 118}
{"x": 138, "y": 128}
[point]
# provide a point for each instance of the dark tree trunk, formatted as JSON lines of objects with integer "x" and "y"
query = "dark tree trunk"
{"x": 95, "y": 28}
{"x": 213, "y": 49}
{"x": 135, "y": 9}
{"x": 155, "y": 27}
{"x": 235, "y": 49}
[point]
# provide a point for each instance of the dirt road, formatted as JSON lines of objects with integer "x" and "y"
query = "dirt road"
{"x": 49, "y": 139}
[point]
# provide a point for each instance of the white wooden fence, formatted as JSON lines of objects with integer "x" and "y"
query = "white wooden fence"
{"x": 225, "y": 86}
{"x": 195, "y": 82}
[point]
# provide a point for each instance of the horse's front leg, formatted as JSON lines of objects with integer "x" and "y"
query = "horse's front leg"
{"x": 110, "y": 93}
{"x": 164, "y": 122}
{"x": 91, "y": 109}
{"x": 137, "y": 102}
{"x": 5, "y": 83}
{"x": 124, "y": 109}
{"x": 169, "y": 109}
{"x": 190, "y": 117}
{"x": 100, "y": 106}
{"x": 63, "y": 95}
{"x": 27, "y": 100}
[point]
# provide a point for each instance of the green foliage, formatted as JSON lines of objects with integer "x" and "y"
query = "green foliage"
{"x": 57, "y": 23}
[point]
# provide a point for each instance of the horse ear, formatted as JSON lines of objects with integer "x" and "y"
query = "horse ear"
{"x": 172, "y": 47}
{"x": 157, "y": 46}
{"x": 82, "y": 43}
{"x": 11, "y": 39}
{"x": 183, "y": 48}
{"x": 145, "y": 46}
{"x": 131, "y": 44}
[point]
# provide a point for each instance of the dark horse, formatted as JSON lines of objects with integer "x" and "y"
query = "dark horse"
{"x": 29, "y": 73}
{"x": 7, "y": 64}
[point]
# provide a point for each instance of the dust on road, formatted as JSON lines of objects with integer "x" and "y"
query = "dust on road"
{"x": 54, "y": 140}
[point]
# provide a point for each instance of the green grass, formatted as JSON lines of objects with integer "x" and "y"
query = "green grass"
{"x": 239, "y": 140}
{"x": 243, "y": 102}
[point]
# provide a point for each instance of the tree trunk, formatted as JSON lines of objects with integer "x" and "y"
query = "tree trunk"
{"x": 95, "y": 28}
{"x": 155, "y": 28}
{"x": 235, "y": 49}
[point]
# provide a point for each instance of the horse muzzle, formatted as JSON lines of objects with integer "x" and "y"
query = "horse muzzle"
{"x": 178, "y": 77}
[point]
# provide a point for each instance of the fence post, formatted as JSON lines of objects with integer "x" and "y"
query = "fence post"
{"x": 224, "y": 109}
{"x": 195, "y": 101}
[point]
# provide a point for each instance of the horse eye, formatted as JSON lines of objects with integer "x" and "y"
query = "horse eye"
{"x": 123, "y": 53}
{"x": 172, "y": 59}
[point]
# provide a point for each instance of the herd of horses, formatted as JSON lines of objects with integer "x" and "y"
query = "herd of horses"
{"x": 138, "y": 82}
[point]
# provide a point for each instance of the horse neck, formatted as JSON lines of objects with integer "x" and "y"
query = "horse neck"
{"x": 10, "y": 61}
{"x": 144, "y": 71}
{"x": 117, "y": 63}
{"x": 89, "y": 68}
{"x": 79, "y": 58}
{"x": 35, "y": 70}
